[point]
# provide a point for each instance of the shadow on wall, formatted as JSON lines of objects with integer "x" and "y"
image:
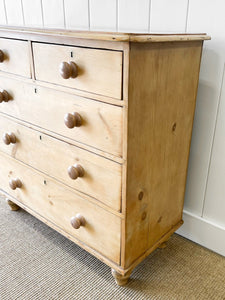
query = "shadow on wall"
{"x": 203, "y": 129}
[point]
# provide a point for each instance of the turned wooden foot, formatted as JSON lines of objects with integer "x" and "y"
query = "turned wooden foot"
{"x": 163, "y": 245}
{"x": 119, "y": 278}
{"x": 13, "y": 205}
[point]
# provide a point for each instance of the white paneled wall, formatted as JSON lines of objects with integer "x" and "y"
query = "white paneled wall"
{"x": 204, "y": 213}
{"x": 77, "y": 14}
{"x": 214, "y": 205}
{"x": 208, "y": 95}
{"x": 103, "y": 15}
{"x": 3, "y": 20}
{"x": 133, "y": 16}
{"x": 205, "y": 196}
{"x": 52, "y": 18}
{"x": 14, "y": 12}
{"x": 32, "y": 13}
{"x": 168, "y": 16}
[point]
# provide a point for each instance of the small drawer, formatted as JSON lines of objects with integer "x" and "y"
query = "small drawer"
{"x": 75, "y": 167}
{"x": 14, "y": 57}
{"x": 59, "y": 205}
{"x": 92, "y": 70}
{"x": 101, "y": 123}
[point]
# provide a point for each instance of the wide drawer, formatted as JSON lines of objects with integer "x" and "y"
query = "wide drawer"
{"x": 58, "y": 205}
{"x": 54, "y": 157}
{"x": 101, "y": 123}
{"x": 98, "y": 71}
{"x": 15, "y": 56}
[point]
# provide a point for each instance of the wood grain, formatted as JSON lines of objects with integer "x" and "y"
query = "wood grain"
{"x": 57, "y": 204}
{"x": 13, "y": 205}
{"x": 120, "y": 212}
{"x": 162, "y": 94}
{"x": 74, "y": 239}
{"x": 102, "y": 123}
{"x": 16, "y": 57}
{"x": 99, "y": 71}
{"x": 119, "y": 278}
{"x": 98, "y": 36}
{"x": 65, "y": 89}
{"x": 54, "y": 157}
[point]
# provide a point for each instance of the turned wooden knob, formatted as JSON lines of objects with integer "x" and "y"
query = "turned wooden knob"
{"x": 1, "y": 56}
{"x": 75, "y": 171}
{"x": 9, "y": 138}
{"x": 68, "y": 70}
{"x": 15, "y": 183}
{"x": 4, "y": 96}
{"x": 72, "y": 120}
{"x": 77, "y": 221}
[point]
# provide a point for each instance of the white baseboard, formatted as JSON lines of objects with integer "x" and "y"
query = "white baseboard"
{"x": 203, "y": 232}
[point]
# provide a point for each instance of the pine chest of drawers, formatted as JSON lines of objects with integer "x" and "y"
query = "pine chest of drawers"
{"x": 96, "y": 130}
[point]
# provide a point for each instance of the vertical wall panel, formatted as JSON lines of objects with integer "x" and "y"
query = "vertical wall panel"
{"x": 214, "y": 206}
{"x": 14, "y": 12}
{"x": 210, "y": 20}
{"x": 32, "y": 13}
{"x": 168, "y": 16}
{"x": 103, "y": 15}
{"x": 206, "y": 16}
{"x": 2, "y": 13}
{"x": 133, "y": 15}
{"x": 77, "y": 14}
{"x": 53, "y": 13}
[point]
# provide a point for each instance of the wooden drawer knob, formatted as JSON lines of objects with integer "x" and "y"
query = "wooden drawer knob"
{"x": 68, "y": 70}
{"x": 72, "y": 120}
{"x": 77, "y": 221}
{"x": 4, "y": 96}
{"x": 1, "y": 56}
{"x": 75, "y": 171}
{"x": 9, "y": 138}
{"x": 15, "y": 183}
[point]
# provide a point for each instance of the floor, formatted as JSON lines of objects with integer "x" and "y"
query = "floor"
{"x": 38, "y": 263}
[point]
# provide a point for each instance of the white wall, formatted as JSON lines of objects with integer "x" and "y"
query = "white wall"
{"x": 204, "y": 211}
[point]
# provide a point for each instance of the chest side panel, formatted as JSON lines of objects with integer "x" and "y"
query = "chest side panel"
{"x": 163, "y": 81}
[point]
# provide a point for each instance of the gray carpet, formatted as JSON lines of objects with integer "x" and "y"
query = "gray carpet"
{"x": 38, "y": 263}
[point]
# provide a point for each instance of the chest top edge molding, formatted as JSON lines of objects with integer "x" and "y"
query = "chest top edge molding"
{"x": 26, "y": 32}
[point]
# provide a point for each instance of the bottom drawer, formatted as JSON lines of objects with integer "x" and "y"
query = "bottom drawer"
{"x": 57, "y": 204}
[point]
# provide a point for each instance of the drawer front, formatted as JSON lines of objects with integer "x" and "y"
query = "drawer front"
{"x": 54, "y": 157}
{"x": 101, "y": 123}
{"x": 98, "y": 71}
{"x": 58, "y": 205}
{"x": 15, "y": 57}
